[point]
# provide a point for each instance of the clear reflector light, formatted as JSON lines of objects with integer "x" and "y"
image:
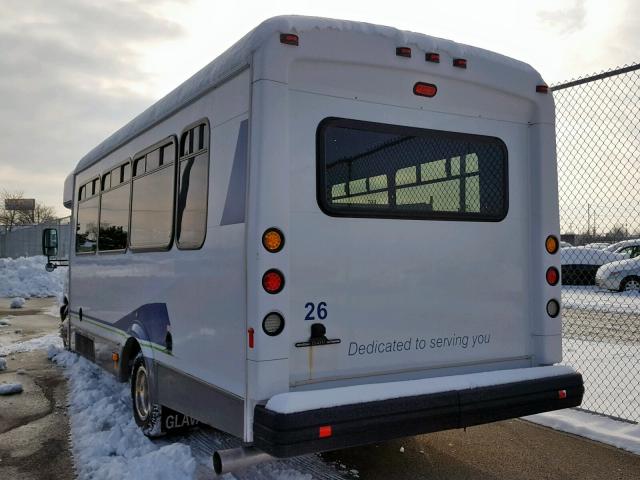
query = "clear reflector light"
{"x": 273, "y": 324}
{"x": 553, "y": 308}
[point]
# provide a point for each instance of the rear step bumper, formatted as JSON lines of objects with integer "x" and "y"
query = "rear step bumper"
{"x": 289, "y": 434}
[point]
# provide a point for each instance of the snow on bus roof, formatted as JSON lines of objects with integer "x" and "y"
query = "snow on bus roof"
{"x": 239, "y": 55}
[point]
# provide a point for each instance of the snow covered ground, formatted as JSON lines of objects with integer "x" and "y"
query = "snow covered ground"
{"x": 26, "y": 277}
{"x": 602, "y": 429}
{"x": 600, "y": 300}
{"x": 611, "y": 373}
{"x": 108, "y": 445}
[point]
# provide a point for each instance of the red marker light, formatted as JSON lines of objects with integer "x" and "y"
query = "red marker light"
{"x": 325, "y": 431}
{"x": 425, "y": 89}
{"x": 251, "y": 332}
{"x": 273, "y": 281}
{"x": 432, "y": 57}
{"x": 460, "y": 62}
{"x": 562, "y": 394}
{"x": 289, "y": 39}
{"x": 542, "y": 88}
{"x": 552, "y": 276}
{"x": 403, "y": 52}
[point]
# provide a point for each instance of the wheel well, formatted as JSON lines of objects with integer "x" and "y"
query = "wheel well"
{"x": 129, "y": 353}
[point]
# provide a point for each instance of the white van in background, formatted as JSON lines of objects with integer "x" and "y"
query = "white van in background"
{"x": 334, "y": 234}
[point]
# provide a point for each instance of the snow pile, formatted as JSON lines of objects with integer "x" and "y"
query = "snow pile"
{"x": 602, "y": 429}
{"x": 4, "y": 322}
{"x": 292, "y": 402}
{"x": 10, "y": 388}
{"x": 3, "y": 364}
{"x": 40, "y": 343}
{"x": 17, "y": 302}
{"x": 26, "y": 277}
{"x": 107, "y": 443}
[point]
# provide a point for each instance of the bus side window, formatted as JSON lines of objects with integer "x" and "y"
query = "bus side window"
{"x": 87, "y": 225}
{"x": 193, "y": 184}
{"x": 152, "y": 200}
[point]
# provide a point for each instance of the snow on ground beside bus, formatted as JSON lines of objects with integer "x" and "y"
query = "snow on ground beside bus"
{"x": 10, "y": 388}
{"x": 600, "y": 300}
{"x": 602, "y": 429}
{"x": 611, "y": 372}
{"x": 17, "y": 302}
{"x": 40, "y": 343}
{"x": 106, "y": 442}
{"x": 26, "y": 277}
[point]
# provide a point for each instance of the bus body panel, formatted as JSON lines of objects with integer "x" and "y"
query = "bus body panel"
{"x": 203, "y": 290}
{"x": 397, "y": 304}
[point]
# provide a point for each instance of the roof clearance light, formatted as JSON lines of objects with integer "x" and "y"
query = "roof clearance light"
{"x": 273, "y": 240}
{"x": 553, "y": 308}
{"x": 325, "y": 431}
{"x": 460, "y": 62}
{"x": 432, "y": 57}
{"x": 425, "y": 89}
{"x": 273, "y": 324}
{"x": 403, "y": 52}
{"x": 551, "y": 244}
{"x": 542, "y": 88}
{"x": 273, "y": 281}
{"x": 552, "y": 276}
{"x": 289, "y": 39}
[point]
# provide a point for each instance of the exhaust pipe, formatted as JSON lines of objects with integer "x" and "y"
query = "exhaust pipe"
{"x": 234, "y": 459}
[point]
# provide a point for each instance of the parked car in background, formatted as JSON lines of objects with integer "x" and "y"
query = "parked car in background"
{"x": 622, "y": 275}
{"x": 564, "y": 244}
{"x": 580, "y": 264}
{"x": 598, "y": 245}
{"x": 623, "y": 246}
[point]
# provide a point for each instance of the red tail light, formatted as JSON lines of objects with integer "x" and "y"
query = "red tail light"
{"x": 552, "y": 276}
{"x": 273, "y": 281}
{"x": 325, "y": 431}
{"x": 425, "y": 89}
{"x": 251, "y": 333}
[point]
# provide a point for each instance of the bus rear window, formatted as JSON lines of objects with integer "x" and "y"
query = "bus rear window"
{"x": 376, "y": 170}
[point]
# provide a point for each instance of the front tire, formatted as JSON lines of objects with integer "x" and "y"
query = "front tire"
{"x": 147, "y": 413}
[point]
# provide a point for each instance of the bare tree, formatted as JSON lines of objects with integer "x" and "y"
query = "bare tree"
{"x": 9, "y": 218}
{"x": 42, "y": 214}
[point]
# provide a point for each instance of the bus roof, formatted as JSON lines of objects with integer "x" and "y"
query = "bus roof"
{"x": 238, "y": 57}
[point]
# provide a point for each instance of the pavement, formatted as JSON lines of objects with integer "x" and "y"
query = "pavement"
{"x": 509, "y": 450}
{"x": 34, "y": 427}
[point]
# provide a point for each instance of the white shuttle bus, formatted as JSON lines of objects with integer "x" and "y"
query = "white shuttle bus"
{"x": 334, "y": 234}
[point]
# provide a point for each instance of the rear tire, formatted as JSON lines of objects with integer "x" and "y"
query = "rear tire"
{"x": 630, "y": 284}
{"x": 147, "y": 413}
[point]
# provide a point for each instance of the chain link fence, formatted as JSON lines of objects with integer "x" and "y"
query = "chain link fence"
{"x": 598, "y": 146}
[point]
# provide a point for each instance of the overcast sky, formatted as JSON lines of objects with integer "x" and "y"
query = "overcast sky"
{"x": 74, "y": 71}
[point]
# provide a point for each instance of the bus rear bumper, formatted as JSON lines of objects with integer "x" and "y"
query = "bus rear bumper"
{"x": 320, "y": 429}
